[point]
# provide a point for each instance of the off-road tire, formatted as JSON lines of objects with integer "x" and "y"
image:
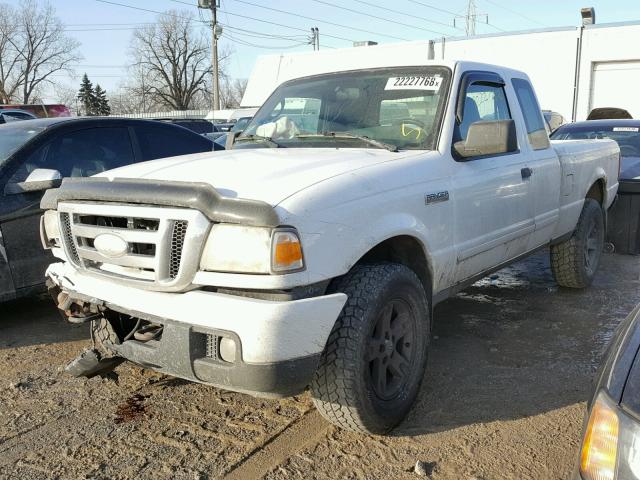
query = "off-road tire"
{"x": 342, "y": 388}
{"x": 575, "y": 261}
{"x": 104, "y": 336}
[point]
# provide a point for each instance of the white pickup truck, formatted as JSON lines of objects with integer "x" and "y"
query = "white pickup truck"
{"x": 313, "y": 252}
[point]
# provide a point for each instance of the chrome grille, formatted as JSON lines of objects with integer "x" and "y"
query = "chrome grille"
{"x": 177, "y": 242}
{"x": 72, "y": 251}
{"x": 160, "y": 247}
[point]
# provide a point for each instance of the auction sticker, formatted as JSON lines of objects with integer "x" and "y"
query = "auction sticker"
{"x": 430, "y": 82}
{"x": 626, "y": 129}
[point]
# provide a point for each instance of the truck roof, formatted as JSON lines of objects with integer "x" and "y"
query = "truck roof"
{"x": 270, "y": 71}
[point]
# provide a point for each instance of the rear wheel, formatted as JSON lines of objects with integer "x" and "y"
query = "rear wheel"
{"x": 574, "y": 262}
{"x": 374, "y": 360}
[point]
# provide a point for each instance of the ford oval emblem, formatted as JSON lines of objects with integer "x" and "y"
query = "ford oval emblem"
{"x": 110, "y": 245}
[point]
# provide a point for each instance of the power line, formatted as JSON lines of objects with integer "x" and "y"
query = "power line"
{"x": 284, "y": 26}
{"x": 437, "y": 9}
{"x": 319, "y": 21}
{"x": 378, "y": 18}
{"x": 405, "y": 14}
{"x": 260, "y": 20}
{"x": 449, "y": 12}
{"x": 516, "y": 13}
{"x": 283, "y": 47}
{"x": 266, "y": 36}
{"x": 108, "y": 2}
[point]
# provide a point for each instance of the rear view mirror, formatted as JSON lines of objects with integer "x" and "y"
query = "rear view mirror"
{"x": 38, "y": 180}
{"x": 488, "y": 138}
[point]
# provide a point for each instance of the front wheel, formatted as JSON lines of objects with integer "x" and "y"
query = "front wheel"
{"x": 574, "y": 262}
{"x": 374, "y": 361}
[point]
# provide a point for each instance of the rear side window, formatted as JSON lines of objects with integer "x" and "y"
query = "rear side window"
{"x": 536, "y": 131}
{"x": 161, "y": 141}
{"x": 194, "y": 126}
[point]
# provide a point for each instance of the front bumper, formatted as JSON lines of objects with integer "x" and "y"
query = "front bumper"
{"x": 278, "y": 343}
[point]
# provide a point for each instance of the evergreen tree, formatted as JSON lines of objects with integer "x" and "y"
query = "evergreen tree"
{"x": 101, "y": 106}
{"x": 86, "y": 95}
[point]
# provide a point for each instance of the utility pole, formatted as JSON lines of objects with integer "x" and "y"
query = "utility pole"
{"x": 216, "y": 32}
{"x": 315, "y": 38}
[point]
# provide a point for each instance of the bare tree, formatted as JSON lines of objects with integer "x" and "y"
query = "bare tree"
{"x": 232, "y": 91}
{"x": 33, "y": 47}
{"x": 9, "y": 57}
{"x": 173, "y": 60}
{"x": 66, "y": 95}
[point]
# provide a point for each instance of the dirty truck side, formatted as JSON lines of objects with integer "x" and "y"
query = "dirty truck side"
{"x": 312, "y": 254}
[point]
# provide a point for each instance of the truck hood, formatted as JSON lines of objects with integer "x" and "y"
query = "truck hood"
{"x": 266, "y": 174}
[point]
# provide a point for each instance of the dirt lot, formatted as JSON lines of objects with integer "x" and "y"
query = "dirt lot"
{"x": 509, "y": 371}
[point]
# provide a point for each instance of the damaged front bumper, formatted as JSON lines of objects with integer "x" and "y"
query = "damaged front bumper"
{"x": 272, "y": 347}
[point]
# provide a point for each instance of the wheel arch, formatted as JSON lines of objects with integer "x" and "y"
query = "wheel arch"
{"x": 598, "y": 191}
{"x": 406, "y": 250}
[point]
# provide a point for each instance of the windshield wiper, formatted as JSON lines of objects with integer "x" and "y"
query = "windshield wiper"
{"x": 268, "y": 140}
{"x": 349, "y": 135}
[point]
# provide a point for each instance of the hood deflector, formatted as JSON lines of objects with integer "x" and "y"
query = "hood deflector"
{"x": 193, "y": 195}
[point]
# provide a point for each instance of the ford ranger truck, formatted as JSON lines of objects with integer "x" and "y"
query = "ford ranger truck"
{"x": 313, "y": 252}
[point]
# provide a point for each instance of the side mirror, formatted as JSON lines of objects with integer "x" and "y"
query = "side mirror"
{"x": 488, "y": 138}
{"x": 38, "y": 180}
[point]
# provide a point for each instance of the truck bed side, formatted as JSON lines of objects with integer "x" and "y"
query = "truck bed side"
{"x": 585, "y": 163}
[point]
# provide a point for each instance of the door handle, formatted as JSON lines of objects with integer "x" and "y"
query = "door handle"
{"x": 526, "y": 172}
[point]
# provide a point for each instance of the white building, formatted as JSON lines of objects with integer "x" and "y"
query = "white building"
{"x": 574, "y": 69}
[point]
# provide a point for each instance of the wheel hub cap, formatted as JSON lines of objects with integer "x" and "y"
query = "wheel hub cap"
{"x": 592, "y": 247}
{"x": 391, "y": 349}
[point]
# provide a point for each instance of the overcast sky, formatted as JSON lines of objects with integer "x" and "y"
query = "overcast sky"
{"x": 105, "y": 29}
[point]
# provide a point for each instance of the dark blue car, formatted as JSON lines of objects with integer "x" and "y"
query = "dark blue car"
{"x": 623, "y": 224}
{"x": 625, "y": 132}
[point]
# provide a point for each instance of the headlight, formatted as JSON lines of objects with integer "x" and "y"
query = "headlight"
{"x": 50, "y": 229}
{"x": 240, "y": 249}
{"x": 611, "y": 445}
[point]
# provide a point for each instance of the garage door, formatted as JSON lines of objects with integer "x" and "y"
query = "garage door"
{"x": 614, "y": 84}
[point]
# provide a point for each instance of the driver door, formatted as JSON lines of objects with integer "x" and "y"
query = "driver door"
{"x": 20, "y": 223}
{"x": 494, "y": 214}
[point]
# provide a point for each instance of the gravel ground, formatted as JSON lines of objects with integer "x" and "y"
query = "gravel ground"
{"x": 509, "y": 370}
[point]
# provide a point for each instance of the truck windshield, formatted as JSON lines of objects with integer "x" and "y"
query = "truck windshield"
{"x": 393, "y": 108}
{"x": 13, "y": 135}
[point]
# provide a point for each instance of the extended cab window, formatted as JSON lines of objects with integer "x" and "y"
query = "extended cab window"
{"x": 536, "y": 131}
{"x": 483, "y": 103}
{"x": 393, "y": 108}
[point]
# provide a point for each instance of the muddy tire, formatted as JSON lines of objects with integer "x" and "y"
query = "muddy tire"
{"x": 104, "y": 336}
{"x": 374, "y": 361}
{"x": 574, "y": 262}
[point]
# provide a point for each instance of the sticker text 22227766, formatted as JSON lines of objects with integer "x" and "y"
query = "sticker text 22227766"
{"x": 431, "y": 82}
